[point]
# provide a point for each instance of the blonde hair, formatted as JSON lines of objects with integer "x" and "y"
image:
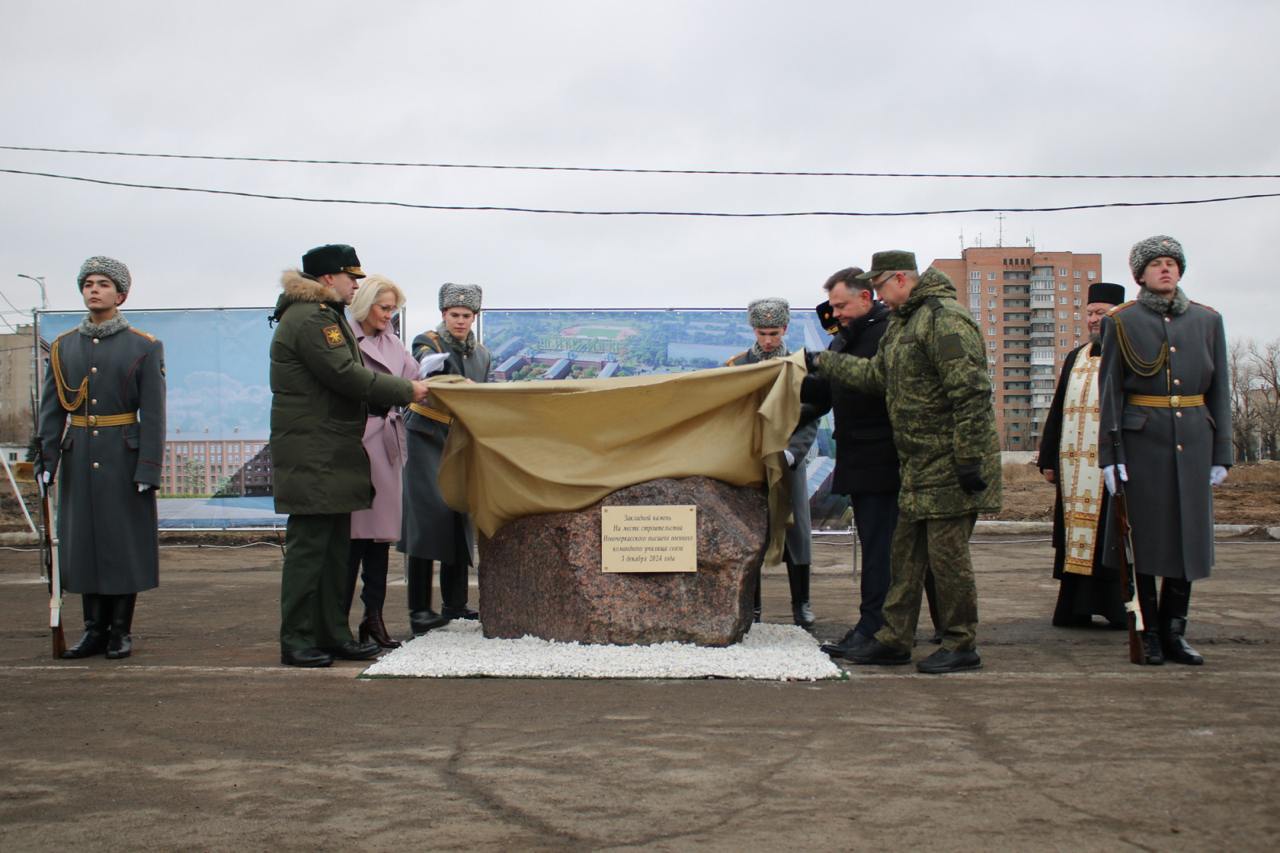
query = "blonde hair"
{"x": 370, "y": 289}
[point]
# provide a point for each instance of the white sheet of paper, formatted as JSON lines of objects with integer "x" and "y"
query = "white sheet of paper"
{"x": 431, "y": 363}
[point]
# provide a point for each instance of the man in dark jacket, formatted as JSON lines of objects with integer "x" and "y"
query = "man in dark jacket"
{"x": 320, "y": 396}
{"x": 931, "y": 368}
{"x": 107, "y": 379}
{"x": 1069, "y": 460}
{"x": 1166, "y": 437}
{"x": 866, "y": 461}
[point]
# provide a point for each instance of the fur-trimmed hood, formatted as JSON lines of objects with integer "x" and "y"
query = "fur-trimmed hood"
{"x": 298, "y": 287}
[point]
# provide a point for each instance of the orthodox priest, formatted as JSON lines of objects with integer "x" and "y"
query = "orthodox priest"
{"x": 1069, "y": 459}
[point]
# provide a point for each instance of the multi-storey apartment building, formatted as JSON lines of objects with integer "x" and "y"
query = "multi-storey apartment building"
{"x": 1029, "y": 305}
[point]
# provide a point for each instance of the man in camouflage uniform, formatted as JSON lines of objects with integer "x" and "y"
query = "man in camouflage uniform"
{"x": 769, "y": 319}
{"x": 932, "y": 370}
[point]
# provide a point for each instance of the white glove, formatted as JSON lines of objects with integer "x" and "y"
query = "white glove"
{"x": 1217, "y": 474}
{"x": 431, "y": 363}
{"x": 47, "y": 477}
{"x": 143, "y": 487}
{"x": 791, "y": 459}
{"x": 1109, "y": 476}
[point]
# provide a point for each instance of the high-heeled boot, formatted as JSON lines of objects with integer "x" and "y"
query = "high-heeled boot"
{"x": 94, "y": 639}
{"x": 798, "y": 578}
{"x": 373, "y": 628}
{"x": 120, "y": 642}
{"x": 418, "y": 579}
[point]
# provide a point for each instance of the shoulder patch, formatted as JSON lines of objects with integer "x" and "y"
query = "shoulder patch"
{"x": 950, "y": 347}
{"x": 143, "y": 334}
{"x": 1205, "y": 307}
{"x": 333, "y": 335}
{"x": 1122, "y": 306}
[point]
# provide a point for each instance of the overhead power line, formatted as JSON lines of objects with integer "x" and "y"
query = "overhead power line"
{"x": 627, "y": 170}
{"x": 693, "y": 213}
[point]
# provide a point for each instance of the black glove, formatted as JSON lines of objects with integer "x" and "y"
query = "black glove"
{"x": 970, "y": 477}
{"x": 811, "y": 360}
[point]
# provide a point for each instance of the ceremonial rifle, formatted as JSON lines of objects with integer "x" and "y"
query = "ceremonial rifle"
{"x": 49, "y": 551}
{"x": 1132, "y": 607}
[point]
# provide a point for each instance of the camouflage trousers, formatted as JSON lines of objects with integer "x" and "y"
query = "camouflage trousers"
{"x": 940, "y": 544}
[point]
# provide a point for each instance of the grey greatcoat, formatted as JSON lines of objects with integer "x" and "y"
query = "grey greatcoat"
{"x": 431, "y": 530}
{"x": 1167, "y": 451}
{"x": 799, "y": 531}
{"x": 106, "y": 529}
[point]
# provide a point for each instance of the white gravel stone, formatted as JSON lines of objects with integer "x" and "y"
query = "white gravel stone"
{"x": 459, "y": 650}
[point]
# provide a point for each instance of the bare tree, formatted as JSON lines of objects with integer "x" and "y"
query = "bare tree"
{"x": 1244, "y": 420}
{"x": 1265, "y": 402}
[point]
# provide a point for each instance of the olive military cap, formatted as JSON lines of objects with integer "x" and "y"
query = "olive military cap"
{"x": 891, "y": 260}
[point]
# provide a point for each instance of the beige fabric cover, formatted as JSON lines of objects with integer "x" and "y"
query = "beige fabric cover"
{"x": 520, "y": 448}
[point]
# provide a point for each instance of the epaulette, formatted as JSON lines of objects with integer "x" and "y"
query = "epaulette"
{"x": 1202, "y": 305}
{"x": 1122, "y": 306}
{"x": 435, "y": 344}
{"x": 146, "y": 335}
{"x": 733, "y": 362}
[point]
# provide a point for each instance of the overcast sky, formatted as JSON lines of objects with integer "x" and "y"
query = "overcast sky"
{"x": 1083, "y": 87}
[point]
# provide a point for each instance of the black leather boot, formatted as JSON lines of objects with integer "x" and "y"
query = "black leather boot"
{"x": 453, "y": 592}
{"x": 373, "y": 628}
{"x": 1151, "y": 651}
{"x": 120, "y": 642}
{"x": 418, "y": 579}
{"x": 756, "y": 609}
{"x": 798, "y": 578}
{"x": 1176, "y": 649}
{"x": 94, "y": 639}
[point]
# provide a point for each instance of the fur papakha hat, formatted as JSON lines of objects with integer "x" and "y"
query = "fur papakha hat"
{"x": 460, "y": 296}
{"x": 1159, "y": 246}
{"x": 768, "y": 313}
{"x": 110, "y": 267}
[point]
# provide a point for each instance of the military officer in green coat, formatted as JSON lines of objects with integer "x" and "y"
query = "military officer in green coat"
{"x": 320, "y": 396}
{"x": 102, "y": 416}
{"x": 931, "y": 368}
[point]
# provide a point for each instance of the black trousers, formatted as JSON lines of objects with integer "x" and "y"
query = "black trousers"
{"x": 374, "y": 557}
{"x": 1173, "y": 603}
{"x": 875, "y": 515}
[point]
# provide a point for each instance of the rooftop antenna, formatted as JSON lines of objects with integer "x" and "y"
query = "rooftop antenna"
{"x": 962, "y": 241}
{"x": 1000, "y": 225}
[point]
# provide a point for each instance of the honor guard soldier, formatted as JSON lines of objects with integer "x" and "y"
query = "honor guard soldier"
{"x": 769, "y": 319}
{"x": 319, "y": 406}
{"x": 931, "y": 368}
{"x": 102, "y": 417}
{"x": 1166, "y": 434}
{"x": 432, "y": 530}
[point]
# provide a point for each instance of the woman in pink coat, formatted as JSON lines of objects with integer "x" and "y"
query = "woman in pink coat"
{"x": 374, "y": 529}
